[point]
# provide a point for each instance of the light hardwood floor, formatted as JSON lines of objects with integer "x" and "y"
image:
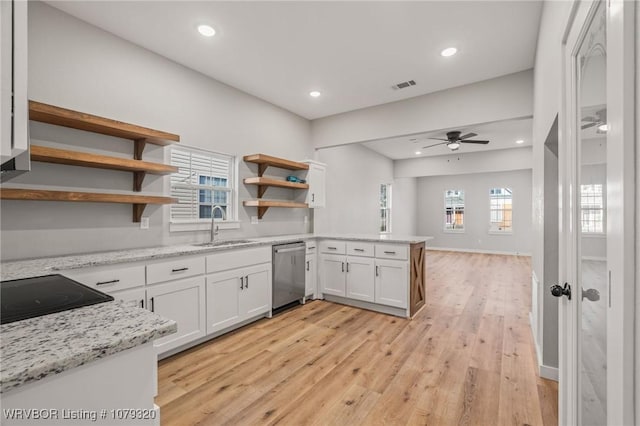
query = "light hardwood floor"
{"x": 466, "y": 358}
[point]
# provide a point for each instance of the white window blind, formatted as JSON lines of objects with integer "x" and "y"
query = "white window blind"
{"x": 204, "y": 179}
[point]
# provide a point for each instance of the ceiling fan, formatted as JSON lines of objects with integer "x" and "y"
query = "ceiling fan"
{"x": 598, "y": 119}
{"x": 454, "y": 140}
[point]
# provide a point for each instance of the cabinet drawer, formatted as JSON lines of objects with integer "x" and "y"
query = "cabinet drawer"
{"x": 232, "y": 259}
{"x": 312, "y": 247}
{"x": 333, "y": 247}
{"x": 392, "y": 251}
{"x": 355, "y": 248}
{"x": 109, "y": 279}
{"x": 175, "y": 268}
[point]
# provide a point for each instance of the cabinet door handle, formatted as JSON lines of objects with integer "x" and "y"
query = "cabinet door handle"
{"x": 342, "y": 266}
{"x": 307, "y": 265}
{"x": 313, "y": 197}
{"x": 153, "y": 305}
{"x": 347, "y": 266}
{"x": 142, "y": 303}
{"x": 246, "y": 281}
{"x": 389, "y": 252}
{"x": 107, "y": 282}
{"x": 180, "y": 269}
{"x": 377, "y": 273}
{"x": 241, "y": 283}
{"x": 356, "y": 249}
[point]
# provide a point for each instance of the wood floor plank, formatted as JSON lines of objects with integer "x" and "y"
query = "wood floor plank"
{"x": 466, "y": 358}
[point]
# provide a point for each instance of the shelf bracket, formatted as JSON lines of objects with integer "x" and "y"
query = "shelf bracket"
{"x": 138, "y": 177}
{"x": 261, "y": 190}
{"x": 138, "y": 148}
{"x": 262, "y": 168}
{"x": 262, "y": 211}
{"x": 138, "y": 209}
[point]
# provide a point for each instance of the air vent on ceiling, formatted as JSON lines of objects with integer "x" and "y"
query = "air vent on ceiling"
{"x": 404, "y": 85}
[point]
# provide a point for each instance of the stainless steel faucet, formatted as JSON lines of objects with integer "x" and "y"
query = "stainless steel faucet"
{"x": 214, "y": 229}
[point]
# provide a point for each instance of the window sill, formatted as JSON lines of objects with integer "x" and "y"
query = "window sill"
{"x": 453, "y": 231}
{"x": 201, "y": 226}
{"x": 500, "y": 232}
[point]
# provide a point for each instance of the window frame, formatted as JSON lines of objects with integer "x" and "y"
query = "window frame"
{"x": 603, "y": 209}
{"x": 503, "y": 210}
{"x": 232, "y": 211}
{"x": 454, "y": 212}
{"x": 386, "y": 220}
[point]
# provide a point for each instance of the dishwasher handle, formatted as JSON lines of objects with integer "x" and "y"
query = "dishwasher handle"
{"x": 289, "y": 250}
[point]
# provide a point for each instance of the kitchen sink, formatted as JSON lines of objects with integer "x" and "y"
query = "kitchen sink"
{"x": 223, "y": 243}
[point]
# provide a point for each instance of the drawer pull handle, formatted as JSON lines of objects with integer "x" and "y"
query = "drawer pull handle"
{"x": 358, "y": 249}
{"x": 107, "y": 282}
{"x": 180, "y": 269}
{"x": 332, "y": 248}
{"x": 311, "y": 248}
{"x": 389, "y": 252}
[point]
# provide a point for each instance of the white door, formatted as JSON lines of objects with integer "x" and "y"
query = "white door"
{"x": 332, "y": 274}
{"x": 360, "y": 278}
{"x": 596, "y": 233}
{"x": 223, "y": 300}
{"x": 255, "y": 297}
{"x": 392, "y": 283}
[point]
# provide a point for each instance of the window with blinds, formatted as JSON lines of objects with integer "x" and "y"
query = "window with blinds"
{"x": 204, "y": 179}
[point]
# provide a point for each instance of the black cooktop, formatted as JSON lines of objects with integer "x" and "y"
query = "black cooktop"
{"x": 37, "y": 296}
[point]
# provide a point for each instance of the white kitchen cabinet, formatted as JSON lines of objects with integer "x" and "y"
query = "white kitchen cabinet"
{"x": 359, "y": 276}
{"x": 137, "y": 295}
{"x": 391, "y": 283}
{"x": 316, "y": 175}
{"x": 184, "y": 302}
{"x": 111, "y": 278}
{"x": 237, "y": 295}
{"x": 332, "y": 276}
{"x": 14, "y": 109}
{"x": 311, "y": 269}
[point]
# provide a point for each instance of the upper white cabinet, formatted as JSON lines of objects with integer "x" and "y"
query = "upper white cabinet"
{"x": 316, "y": 196}
{"x": 14, "y": 109}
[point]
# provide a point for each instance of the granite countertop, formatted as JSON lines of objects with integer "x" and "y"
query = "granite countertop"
{"x": 38, "y": 347}
{"x": 51, "y": 265}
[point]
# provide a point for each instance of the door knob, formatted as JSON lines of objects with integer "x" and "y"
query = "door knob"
{"x": 591, "y": 294}
{"x": 558, "y": 291}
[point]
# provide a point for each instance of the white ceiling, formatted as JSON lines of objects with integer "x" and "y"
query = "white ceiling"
{"x": 500, "y": 134}
{"x": 353, "y": 52}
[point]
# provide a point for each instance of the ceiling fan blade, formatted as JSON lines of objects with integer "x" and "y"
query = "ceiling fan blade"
{"x": 586, "y": 126}
{"x": 468, "y": 135}
{"x": 435, "y": 144}
{"x": 439, "y": 139}
{"x": 474, "y": 141}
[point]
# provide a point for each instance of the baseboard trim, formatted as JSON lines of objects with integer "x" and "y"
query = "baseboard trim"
{"x": 550, "y": 373}
{"x": 465, "y": 250}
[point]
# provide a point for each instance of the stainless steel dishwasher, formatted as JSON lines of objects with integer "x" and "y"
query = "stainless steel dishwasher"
{"x": 288, "y": 273}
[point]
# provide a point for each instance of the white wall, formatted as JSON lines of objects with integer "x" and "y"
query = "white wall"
{"x": 354, "y": 175}
{"x": 404, "y": 216}
{"x": 546, "y": 105}
{"x": 460, "y": 106}
{"x": 463, "y": 163}
{"x": 78, "y": 66}
{"x": 476, "y": 189}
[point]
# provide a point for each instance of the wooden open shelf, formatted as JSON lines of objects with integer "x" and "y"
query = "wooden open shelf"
{"x": 263, "y": 161}
{"x": 263, "y": 205}
{"x": 92, "y": 123}
{"x": 264, "y": 182}
{"x": 83, "y": 159}
{"x": 139, "y": 201}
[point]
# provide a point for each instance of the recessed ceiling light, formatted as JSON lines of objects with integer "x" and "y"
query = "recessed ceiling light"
{"x": 519, "y": 141}
{"x": 206, "y": 30}
{"x": 314, "y": 94}
{"x": 603, "y": 127}
{"x": 418, "y": 152}
{"x": 449, "y": 51}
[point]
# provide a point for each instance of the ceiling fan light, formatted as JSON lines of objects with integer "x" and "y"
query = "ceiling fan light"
{"x": 603, "y": 127}
{"x": 453, "y": 146}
